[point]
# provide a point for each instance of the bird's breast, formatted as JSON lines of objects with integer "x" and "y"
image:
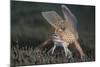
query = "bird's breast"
{"x": 68, "y": 37}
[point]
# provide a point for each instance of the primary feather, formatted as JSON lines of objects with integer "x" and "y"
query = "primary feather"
{"x": 66, "y": 24}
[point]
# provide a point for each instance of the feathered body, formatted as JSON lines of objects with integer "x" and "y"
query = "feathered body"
{"x": 66, "y": 28}
{"x": 67, "y": 37}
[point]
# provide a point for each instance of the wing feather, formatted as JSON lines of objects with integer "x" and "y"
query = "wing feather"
{"x": 67, "y": 24}
{"x": 70, "y": 20}
{"x": 53, "y": 18}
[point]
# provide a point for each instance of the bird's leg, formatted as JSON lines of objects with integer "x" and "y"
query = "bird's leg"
{"x": 50, "y": 50}
{"x": 53, "y": 48}
{"x": 65, "y": 49}
{"x": 69, "y": 52}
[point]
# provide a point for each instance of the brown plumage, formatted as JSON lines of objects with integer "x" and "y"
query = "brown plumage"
{"x": 68, "y": 37}
{"x": 65, "y": 28}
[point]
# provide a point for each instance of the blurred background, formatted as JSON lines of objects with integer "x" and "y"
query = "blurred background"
{"x": 27, "y": 21}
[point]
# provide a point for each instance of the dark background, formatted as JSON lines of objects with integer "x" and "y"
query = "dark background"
{"x": 26, "y": 19}
{"x": 28, "y": 25}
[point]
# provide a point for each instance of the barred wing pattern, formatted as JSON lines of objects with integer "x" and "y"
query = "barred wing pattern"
{"x": 66, "y": 24}
{"x": 70, "y": 20}
{"x": 54, "y": 19}
{"x": 69, "y": 16}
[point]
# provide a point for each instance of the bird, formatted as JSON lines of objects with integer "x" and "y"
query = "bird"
{"x": 65, "y": 29}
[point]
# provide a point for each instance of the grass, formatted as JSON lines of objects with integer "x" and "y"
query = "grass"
{"x": 27, "y": 53}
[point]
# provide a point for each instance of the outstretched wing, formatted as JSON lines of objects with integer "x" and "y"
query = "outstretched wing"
{"x": 54, "y": 19}
{"x": 70, "y": 20}
{"x": 66, "y": 24}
